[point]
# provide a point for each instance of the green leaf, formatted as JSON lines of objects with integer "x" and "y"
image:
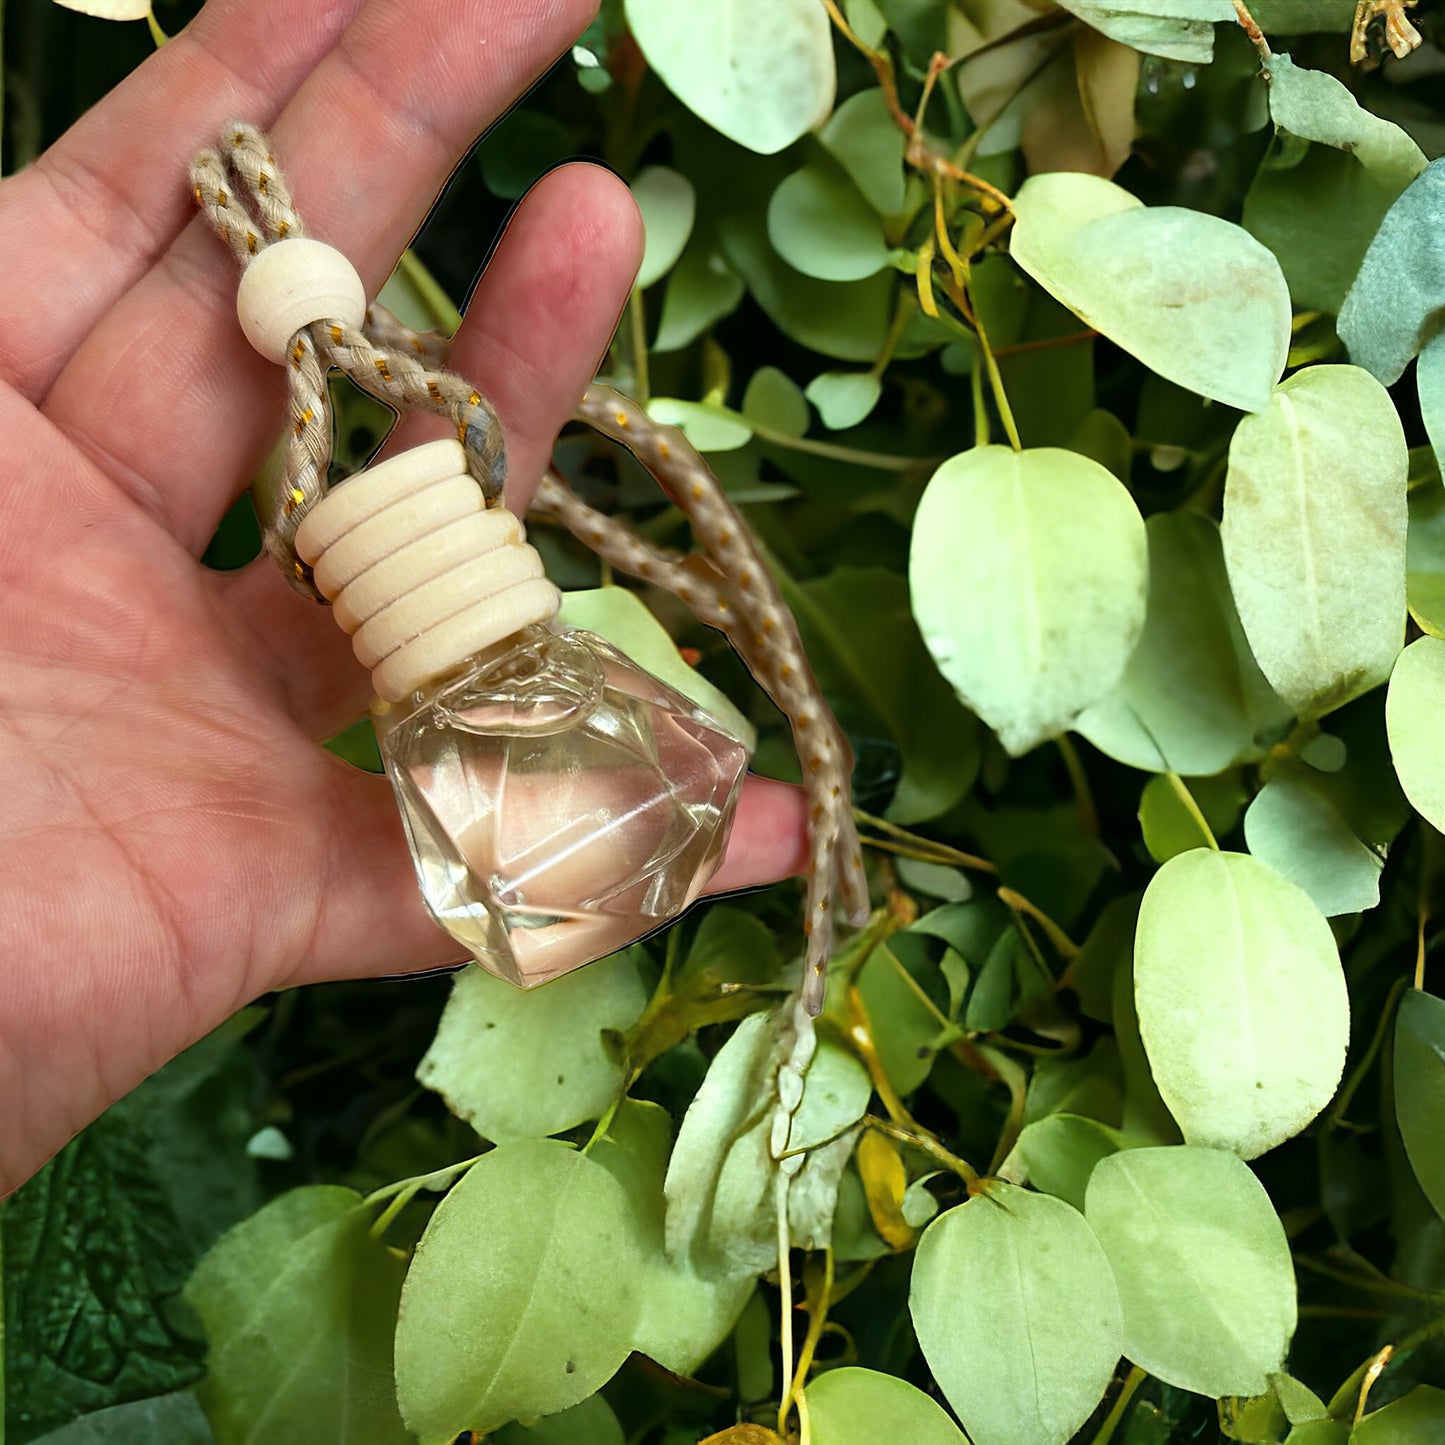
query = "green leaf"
{"x": 1203, "y": 1267}
{"x": 1176, "y": 29}
{"x": 1061, "y": 1151}
{"x": 1317, "y": 206}
{"x": 1322, "y": 467}
{"x": 772, "y": 400}
{"x": 1413, "y": 709}
{"x": 277, "y": 1370}
{"x": 1169, "y": 825}
{"x": 523, "y": 1296}
{"x": 161, "y": 1420}
{"x": 819, "y": 223}
{"x": 844, "y": 398}
{"x": 1242, "y": 1002}
{"x": 590, "y": 1423}
{"x": 702, "y": 289}
{"x": 1416, "y": 1419}
{"x": 762, "y": 75}
{"x": 1420, "y": 1089}
{"x": 1393, "y": 304}
{"x": 862, "y": 1407}
{"x": 1192, "y": 699}
{"x": 668, "y": 204}
{"x": 719, "y": 1190}
{"x": 1195, "y": 298}
{"x": 1300, "y": 834}
{"x": 870, "y": 661}
{"x": 523, "y": 1063}
{"x": 682, "y": 1317}
{"x": 1028, "y": 1369}
{"x": 708, "y": 427}
{"x": 628, "y": 624}
{"x": 867, "y": 142}
{"x": 1029, "y": 574}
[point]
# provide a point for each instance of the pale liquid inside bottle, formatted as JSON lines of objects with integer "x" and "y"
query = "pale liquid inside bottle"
{"x": 560, "y": 801}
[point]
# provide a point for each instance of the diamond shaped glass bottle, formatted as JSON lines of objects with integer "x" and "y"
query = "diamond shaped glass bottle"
{"x": 559, "y": 800}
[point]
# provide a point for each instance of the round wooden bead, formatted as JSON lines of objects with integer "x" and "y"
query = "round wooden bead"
{"x": 366, "y": 493}
{"x": 292, "y": 283}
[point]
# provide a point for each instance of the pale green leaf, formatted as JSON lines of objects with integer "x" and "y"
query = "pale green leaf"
{"x": 523, "y": 1296}
{"x": 1393, "y": 305}
{"x": 864, "y": 1407}
{"x": 1416, "y": 1419}
{"x": 1195, "y": 298}
{"x": 1324, "y": 466}
{"x": 760, "y": 74}
{"x": 275, "y": 1371}
{"x": 626, "y": 622}
{"x": 1414, "y": 708}
{"x": 590, "y": 1423}
{"x": 668, "y": 204}
{"x": 844, "y": 398}
{"x": 682, "y": 1316}
{"x": 1300, "y": 834}
{"x": 773, "y": 400}
{"x": 702, "y": 289}
{"x": 1061, "y": 1151}
{"x": 708, "y": 427}
{"x": 1028, "y": 574}
{"x": 1176, "y": 29}
{"x": 1420, "y": 1089}
{"x": 523, "y": 1063}
{"x": 1241, "y": 999}
{"x": 1192, "y": 699}
{"x": 1029, "y": 1368}
{"x": 1318, "y": 206}
{"x": 868, "y": 143}
{"x": 1202, "y": 1264}
{"x": 819, "y": 223}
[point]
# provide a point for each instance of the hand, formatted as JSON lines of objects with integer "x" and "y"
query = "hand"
{"x": 174, "y": 841}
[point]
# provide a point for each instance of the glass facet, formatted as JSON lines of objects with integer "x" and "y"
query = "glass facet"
{"x": 560, "y": 801}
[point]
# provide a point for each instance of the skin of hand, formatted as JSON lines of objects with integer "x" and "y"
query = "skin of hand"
{"x": 174, "y": 841}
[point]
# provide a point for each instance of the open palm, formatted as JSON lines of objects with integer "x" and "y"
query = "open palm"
{"x": 173, "y": 840}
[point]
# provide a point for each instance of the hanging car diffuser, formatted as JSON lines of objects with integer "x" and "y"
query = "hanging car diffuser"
{"x": 559, "y": 800}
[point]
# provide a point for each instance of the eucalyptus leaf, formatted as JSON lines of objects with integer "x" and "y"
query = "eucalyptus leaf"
{"x": 1242, "y": 1002}
{"x": 1420, "y": 1089}
{"x": 275, "y": 1370}
{"x": 844, "y": 398}
{"x": 1322, "y": 468}
{"x": 524, "y": 1063}
{"x": 762, "y": 75}
{"x": 1393, "y": 305}
{"x": 1028, "y": 573}
{"x": 668, "y": 204}
{"x": 1029, "y": 1369}
{"x": 1299, "y": 833}
{"x": 1176, "y": 29}
{"x": 1414, "y": 707}
{"x": 1203, "y": 1268}
{"x": 1192, "y": 699}
{"x": 850, "y": 1406}
{"x": 1195, "y": 298}
{"x": 820, "y": 223}
{"x": 866, "y": 141}
{"x": 682, "y": 1317}
{"x": 523, "y": 1296}
{"x": 1318, "y": 207}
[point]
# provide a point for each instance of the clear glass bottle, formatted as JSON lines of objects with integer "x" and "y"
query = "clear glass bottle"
{"x": 560, "y": 801}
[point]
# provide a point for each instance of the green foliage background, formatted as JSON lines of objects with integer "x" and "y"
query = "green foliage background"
{"x": 1106, "y": 531}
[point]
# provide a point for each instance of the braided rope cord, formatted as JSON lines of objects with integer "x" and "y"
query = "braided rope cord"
{"x": 727, "y": 585}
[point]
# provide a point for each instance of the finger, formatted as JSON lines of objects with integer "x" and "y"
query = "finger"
{"x": 373, "y": 920}
{"x": 91, "y": 216}
{"x": 366, "y": 145}
{"x": 541, "y": 316}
